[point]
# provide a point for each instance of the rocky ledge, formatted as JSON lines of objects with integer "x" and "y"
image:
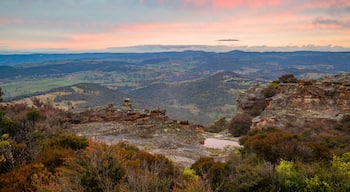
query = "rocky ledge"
{"x": 305, "y": 104}
{"x": 150, "y": 130}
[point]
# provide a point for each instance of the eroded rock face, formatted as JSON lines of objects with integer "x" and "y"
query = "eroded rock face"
{"x": 251, "y": 101}
{"x": 315, "y": 105}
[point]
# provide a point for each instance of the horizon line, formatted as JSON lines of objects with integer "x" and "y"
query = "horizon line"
{"x": 158, "y": 48}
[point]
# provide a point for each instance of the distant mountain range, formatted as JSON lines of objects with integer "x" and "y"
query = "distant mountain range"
{"x": 276, "y": 62}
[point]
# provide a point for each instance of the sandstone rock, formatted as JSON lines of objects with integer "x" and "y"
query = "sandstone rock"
{"x": 299, "y": 106}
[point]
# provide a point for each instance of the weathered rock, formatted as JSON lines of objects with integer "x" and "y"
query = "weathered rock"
{"x": 147, "y": 129}
{"x": 298, "y": 106}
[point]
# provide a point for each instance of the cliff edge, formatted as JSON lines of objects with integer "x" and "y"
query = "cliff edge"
{"x": 321, "y": 105}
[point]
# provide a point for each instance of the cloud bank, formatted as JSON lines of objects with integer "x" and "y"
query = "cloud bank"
{"x": 96, "y": 25}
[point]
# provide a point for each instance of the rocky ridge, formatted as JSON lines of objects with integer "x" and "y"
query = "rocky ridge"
{"x": 151, "y": 130}
{"x": 314, "y": 105}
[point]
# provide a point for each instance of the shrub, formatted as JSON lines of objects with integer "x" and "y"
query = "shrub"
{"x": 287, "y": 78}
{"x": 240, "y": 124}
{"x": 9, "y": 126}
{"x": 212, "y": 170}
{"x": 314, "y": 184}
{"x": 69, "y": 141}
{"x": 6, "y": 157}
{"x": 53, "y": 157}
{"x": 202, "y": 165}
{"x": 31, "y": 177}
{"x": 33, "y": 115}
{"x": 271, "y": 90}
{"x": 218, "y": 126}
{"x": 245, "y": 177}
{"x": 273, "y": 145}
{"x": 288, "y": 177}
{"x": 341, "y": 168}
{"x": 189, "y": 174}
{"x": 95, "y": 169}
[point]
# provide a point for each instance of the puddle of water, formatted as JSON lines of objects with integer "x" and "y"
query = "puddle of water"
{"x": 219, "y": 143}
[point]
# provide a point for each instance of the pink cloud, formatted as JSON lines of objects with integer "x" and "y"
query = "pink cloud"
{"x": 227, "y": 3}
{"x": 7, "y": 21}
{"x": 219, "y": 4}
{"x": 246, "y": 3}
{"x": 274, "y": 22}
{"x": 322, "y": 4}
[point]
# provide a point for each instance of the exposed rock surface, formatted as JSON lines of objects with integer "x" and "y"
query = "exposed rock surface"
{"x": 148, "y": 129}
{"x": 316, "y": 105}
{"x": 251, "y": 101}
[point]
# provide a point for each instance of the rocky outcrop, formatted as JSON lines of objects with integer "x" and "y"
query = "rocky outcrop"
{"x": 251, "y": 101}
{"x": 315, "y": 105}
{"x": 115, "y": 113}
{"x": 151, "y": 130}
{"x": 142, "y": 123}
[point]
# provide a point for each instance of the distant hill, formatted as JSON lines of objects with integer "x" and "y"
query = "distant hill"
{"x": 261, "y": 64}
{"x": 92, "y": 95}
{"x": 202, "y": 101}
{"x": 189, "y": 84}
{"x": 81, "y": 96}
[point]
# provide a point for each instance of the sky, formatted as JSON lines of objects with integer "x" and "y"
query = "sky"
{"x": 112, "y": 25}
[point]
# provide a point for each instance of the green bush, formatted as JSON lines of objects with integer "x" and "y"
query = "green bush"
{"x": 314, "y": 184}
{"x": 212, "y": 170}
{"x": 202, "y": 165}
{"x": 273, "y": 145}
{"x": 189, "y": 174}
{"x": 271, "y": 90}
{"x": 288, "y": 177}
{"x": 9, "y": 126}
{"x": 69, "y": 141}
{"x": 33, "y": 115}
{"x": 218, "y": 126}
{"x": 245, "y": 177}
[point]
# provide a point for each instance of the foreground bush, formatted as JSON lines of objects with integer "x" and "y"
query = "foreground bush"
{"x": 240, "y": 124}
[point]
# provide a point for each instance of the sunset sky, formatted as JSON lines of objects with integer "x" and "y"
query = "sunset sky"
{"x": 101, "y": 25}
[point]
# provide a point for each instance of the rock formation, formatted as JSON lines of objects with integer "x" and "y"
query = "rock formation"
{"x": 147, "y": 129}
{"x": 314, "y": 105}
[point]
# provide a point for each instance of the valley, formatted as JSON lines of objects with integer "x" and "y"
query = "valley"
{"x": 191, "y": 85}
